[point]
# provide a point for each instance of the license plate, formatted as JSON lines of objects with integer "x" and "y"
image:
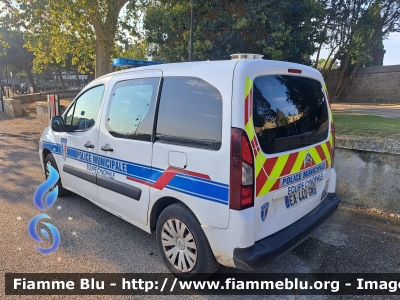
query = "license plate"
{"x": 296, "y": 198}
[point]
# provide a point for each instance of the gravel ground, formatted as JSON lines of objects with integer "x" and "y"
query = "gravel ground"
{"x": 383, "y": 110}
{"x": 355, "y": 239}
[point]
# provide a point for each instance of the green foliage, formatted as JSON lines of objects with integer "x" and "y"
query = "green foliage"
{"x": 131, "y": 49}
{"x": 17, "y": 57}
{"x": 50, "y": 35}
{"x": 281, "y": 30}
{"x": 353, "y": 29}
{"x": 323, "y": 64}
{"x": 71, "y": 34}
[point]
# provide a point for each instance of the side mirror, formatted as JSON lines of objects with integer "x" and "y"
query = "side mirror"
{"x": 57, "y": 124}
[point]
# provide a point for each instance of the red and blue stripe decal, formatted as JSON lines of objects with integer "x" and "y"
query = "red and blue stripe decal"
{"x": 187, "y": 182}
{"x": 184, "y": 181}
{"x": 164, "y": 179}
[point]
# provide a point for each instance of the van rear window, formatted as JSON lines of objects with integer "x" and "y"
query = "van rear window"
{"x": 289, "y": 112}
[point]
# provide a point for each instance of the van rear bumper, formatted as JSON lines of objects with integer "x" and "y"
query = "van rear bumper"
{"x": 268, "y": 249}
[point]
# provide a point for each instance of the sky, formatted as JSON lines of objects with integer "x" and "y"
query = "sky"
{"x": 392, "y": 47}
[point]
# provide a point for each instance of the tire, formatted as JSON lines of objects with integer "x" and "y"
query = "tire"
{"x": 50, "y": 160}
{"x": 187, "y": 257}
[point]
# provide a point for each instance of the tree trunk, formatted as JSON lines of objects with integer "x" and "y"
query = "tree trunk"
{"x": 103, "y": 57}
{"x": 191, "y": 31}
{"x": 340, "y": 77}
{"x": 61, "y": 78}
{"x": 332, "y": 62}
{"x": 105, "y": 34}
{"x": 31, "y": 80}
{"x": 317, "y": 59}
{"x": 348, "y": 80}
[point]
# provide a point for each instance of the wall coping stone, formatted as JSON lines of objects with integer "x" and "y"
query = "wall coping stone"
{"x": 372, "y": 144}
{"x": 380, "y": 69}
{"x": 367, "y": 70}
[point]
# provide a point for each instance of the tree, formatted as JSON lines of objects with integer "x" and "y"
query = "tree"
{"x": 281, "y": 30}
{"x": 191, "y": 29}
{"x": 262, "y": 110}
{"x": 75, "y": 27}
{"x": 17, "y": 56}
{"x": 43, "y": 40}
{"x": 323, "y": 63}
{"x": 356, "y": 27}
{"x": 72, "y": 54}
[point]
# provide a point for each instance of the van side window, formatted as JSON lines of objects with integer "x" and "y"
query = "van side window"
{"x": 131, "y": 109}
{"x": 82, "y": 115}
{"x": 289, "y": 112}
{"x": 190, "y": 113}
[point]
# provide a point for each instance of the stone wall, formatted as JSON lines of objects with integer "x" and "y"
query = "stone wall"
{"x": 370, "y": 85}
{"x": 30, "y": 98}
{"x": 367, "y": 172}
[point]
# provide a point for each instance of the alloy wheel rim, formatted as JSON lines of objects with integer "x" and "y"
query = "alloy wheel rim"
{"x": 179, "y": 245}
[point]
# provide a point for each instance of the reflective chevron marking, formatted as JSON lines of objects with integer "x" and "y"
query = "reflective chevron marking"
{"x": 269, "y": 170}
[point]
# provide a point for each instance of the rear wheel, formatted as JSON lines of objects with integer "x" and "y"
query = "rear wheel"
{"x": 50, "y": 161}
{"x": 183, "y": 244}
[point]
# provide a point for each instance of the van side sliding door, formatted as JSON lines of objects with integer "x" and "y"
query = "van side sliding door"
{"x": 125, "y": 147}
{"x": 189, "y": 160}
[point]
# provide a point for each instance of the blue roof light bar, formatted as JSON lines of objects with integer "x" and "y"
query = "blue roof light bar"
{"x": 133, "y": 63}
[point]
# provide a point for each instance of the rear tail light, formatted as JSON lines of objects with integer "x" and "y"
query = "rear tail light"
{"x": 242, "y": 171}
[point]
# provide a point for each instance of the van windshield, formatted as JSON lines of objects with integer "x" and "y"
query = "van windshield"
{"x": 289, "y": 112}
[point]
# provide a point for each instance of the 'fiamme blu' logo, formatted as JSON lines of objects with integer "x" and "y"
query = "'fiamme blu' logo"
{"x": 49, "y": 200}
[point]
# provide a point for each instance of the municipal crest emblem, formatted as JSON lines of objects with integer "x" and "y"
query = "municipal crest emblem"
{"x": 64, "y": 148}
{"x": 264, "y": 211}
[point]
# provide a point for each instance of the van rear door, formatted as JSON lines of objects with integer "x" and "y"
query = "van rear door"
{"x": 289, "y": 129}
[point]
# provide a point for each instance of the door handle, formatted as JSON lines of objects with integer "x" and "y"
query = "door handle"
{"x": 89, "y": 145}
{"x": 107, "y": 148}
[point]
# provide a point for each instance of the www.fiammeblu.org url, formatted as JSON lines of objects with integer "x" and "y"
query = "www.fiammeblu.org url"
{"x": 286, "y": 284}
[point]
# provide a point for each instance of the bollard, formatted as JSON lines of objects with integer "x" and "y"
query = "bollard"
{"x": 13, "y": 108}
{"x": 54, "y": 105}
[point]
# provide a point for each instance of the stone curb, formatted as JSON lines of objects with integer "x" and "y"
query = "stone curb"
{"x": 371, "y": 144}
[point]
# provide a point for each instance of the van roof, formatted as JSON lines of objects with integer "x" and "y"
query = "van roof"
{"x": 221, "y": 65}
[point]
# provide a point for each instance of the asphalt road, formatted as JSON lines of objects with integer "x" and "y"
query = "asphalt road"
{"x": 93, "y": 240}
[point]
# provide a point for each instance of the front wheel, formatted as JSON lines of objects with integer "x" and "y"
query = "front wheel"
{"x": 183, "y": 244}
{"x": 50, "y": 161}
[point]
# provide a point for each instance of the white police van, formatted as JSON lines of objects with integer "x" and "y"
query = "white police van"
{"x": 227, "y": 162}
